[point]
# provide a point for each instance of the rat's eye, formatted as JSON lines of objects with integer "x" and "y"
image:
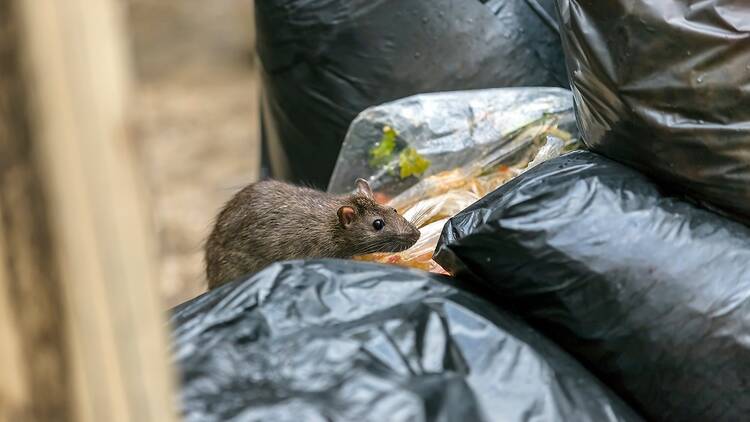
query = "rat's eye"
{"x": 378, "y": 224}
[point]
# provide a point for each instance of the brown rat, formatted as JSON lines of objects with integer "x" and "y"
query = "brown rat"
{"x": 272, "y": 221}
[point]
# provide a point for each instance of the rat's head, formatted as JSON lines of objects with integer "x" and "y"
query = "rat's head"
{"x": 370, "y": 227}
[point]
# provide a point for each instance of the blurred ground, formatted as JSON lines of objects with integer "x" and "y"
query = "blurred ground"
{"x": 195, "y": 122}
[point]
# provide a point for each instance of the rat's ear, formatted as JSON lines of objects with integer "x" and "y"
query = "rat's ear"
{"x": 363, "y": 188}
{"x": 346, "y": 216}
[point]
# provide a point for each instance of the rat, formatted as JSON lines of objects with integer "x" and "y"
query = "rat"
{"x": 271, "y": 221}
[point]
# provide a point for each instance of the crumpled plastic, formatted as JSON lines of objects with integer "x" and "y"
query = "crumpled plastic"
{"x": 472, "y": 142}
{"x": 663, "y": 87}
{"x": 451, "y": 130}
{"x": 649, "y": 291}
{"x": 324, "y": 61}
{"x": 336, "y": 340}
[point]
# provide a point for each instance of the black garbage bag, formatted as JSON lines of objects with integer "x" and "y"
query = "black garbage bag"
{"x": 346, "y": 341}
{"x": 324, "y": 61}
{"x": 651, "y": 292}
{"x": 663, "y": 86}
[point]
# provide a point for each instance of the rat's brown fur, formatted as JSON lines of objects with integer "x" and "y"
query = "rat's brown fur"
{"x": 272, "y": 221}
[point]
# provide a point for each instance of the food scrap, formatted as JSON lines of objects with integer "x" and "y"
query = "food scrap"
{"x": 382, "y": 152}
{"x": 408, "y": 162}
{"x": 436, "y": 198}
{"x": 411, "y": 163}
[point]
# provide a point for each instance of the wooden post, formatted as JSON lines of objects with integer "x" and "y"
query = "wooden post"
{"x": 82, "y": 337}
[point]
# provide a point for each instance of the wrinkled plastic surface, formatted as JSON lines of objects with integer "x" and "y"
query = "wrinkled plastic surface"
{"x": 470, "y": 141}
{"x": 663, "y": 86}
{"x": 451, "y": 130}
{"x": 651, "y": 292}
{"x": 324, "y": 61}
{"x": 431, "y": 202}
{"x": 345, "y": 341}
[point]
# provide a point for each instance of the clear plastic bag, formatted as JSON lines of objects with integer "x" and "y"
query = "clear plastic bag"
{"x": 430, "y": 156}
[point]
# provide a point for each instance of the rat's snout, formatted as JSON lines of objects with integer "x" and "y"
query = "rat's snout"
{"x": 414, "y": 235}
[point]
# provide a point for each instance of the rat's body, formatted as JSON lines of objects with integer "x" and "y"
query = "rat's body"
{"x": 272, "y": 221}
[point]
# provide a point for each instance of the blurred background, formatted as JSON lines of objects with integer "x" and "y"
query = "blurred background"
{"x": 195, "y": 122}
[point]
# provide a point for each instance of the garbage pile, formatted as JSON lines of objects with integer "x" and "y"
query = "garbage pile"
{"x": 324, "y": 62}
{"x": 592, "y": 275}
{"x": 662, "y": 87}
{"x": 649, "y": 291}
{"x": 436, "y": 154}
{"x": 342, "y": 340}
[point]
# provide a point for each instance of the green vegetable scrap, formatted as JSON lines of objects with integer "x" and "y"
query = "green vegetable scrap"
{"x": 409, "y": 161}
{"x": 412, "y": 163}
{"x": 381, "y": 153}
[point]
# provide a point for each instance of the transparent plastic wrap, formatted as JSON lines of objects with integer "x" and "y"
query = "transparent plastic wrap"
{"x": 432, "y": 155}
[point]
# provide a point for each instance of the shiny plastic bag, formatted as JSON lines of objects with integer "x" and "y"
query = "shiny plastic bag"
{"x": 344, "y": 341}
{"x": 650, "y": 292}
{"x": 459, "y": 146}
{"x": 324, "y": 61}
{"x": 663, "y": 87}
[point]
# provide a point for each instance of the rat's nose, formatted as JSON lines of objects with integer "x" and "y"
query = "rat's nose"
{"x": 415, "y": 233}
